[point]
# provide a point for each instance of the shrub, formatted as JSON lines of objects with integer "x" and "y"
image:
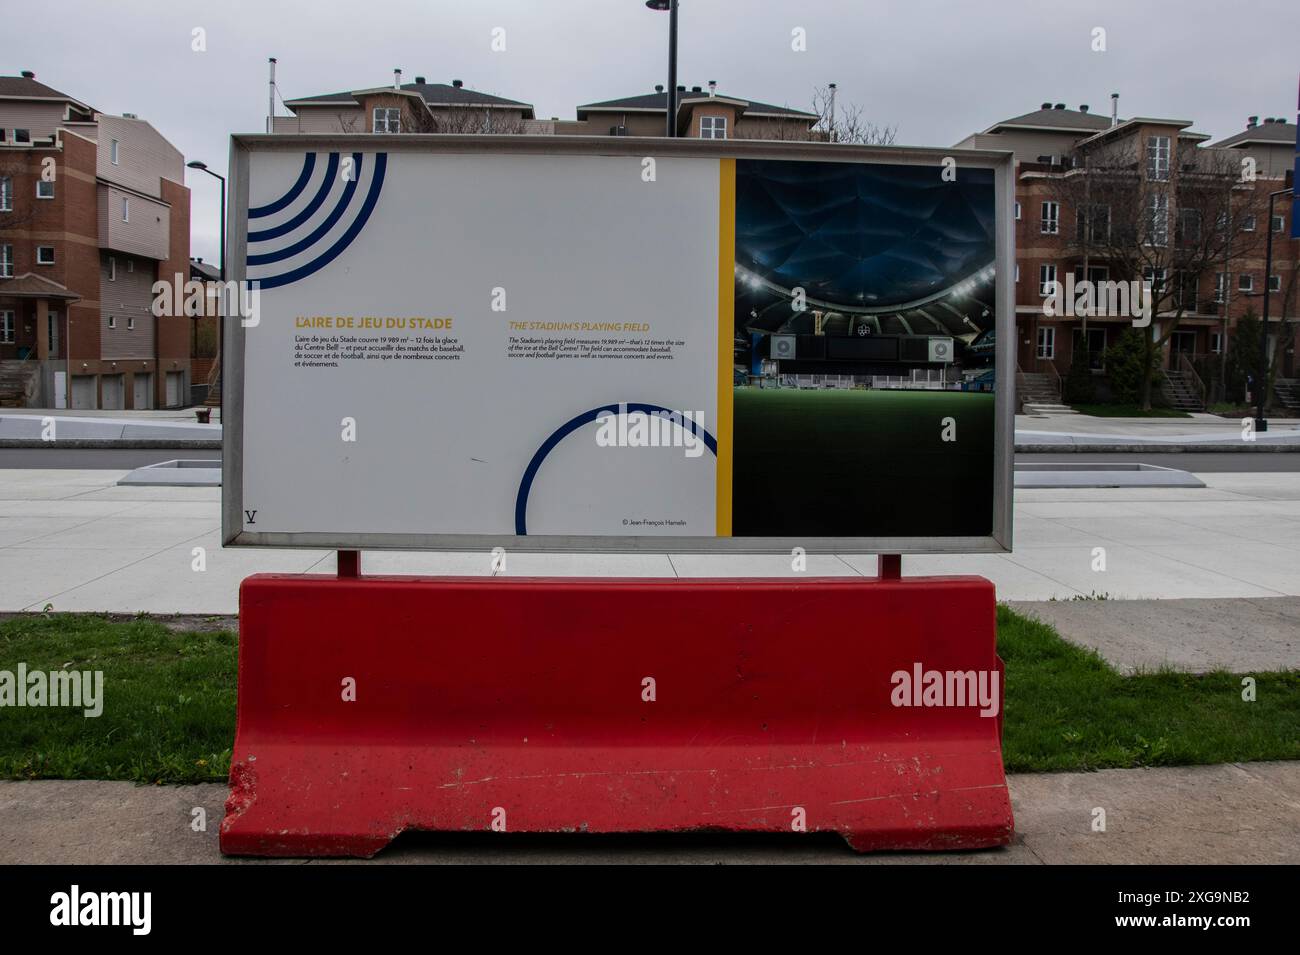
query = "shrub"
{"x": 1125, "y": 361}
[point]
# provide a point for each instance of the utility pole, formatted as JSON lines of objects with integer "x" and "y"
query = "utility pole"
{"x": 670, "y": 103}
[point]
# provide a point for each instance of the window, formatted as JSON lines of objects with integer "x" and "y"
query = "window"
{"x": 7, "y": 327}
{"x": 1157, "y": 220}
{"x": 1278, "y": 223}
{"x": 1220, "y": 285}
{"x": 713, "y": 127}
{"x": 126, "y": 209}
{"x": 6, "y": 194}
{"x": 112, "y": 321}
{"x": 1017, "y": 271}
{"x": 1094, "y": 344}
{"x": 1216, "y": 343}
{"x": 130, "y": 323}
{"x": 1155, "y": 280}
{"x": 1245, "y": 283}
{"x": 1275, "y": 283}
{"x": 22, "y": 136}
{"x": 1189, "y": 286}
{"x": 1046, "y": 279}
{"x": 1248, "y": 224}
{"x": 1092, "y": 223}
{"x": 1017, "y": 212}
{"x": 130, "y": 265}
{"x": 1189, "y": 226}
{"x": 6, "y": 261}
{"x": 1051, "y": 218}
{"x": 1182, "y": 343}
{"x": 45, "y": 255}
{"x": 44, "y": 189}
{"x": 1046, "y": 341}
{"x": 388, "y": 120}
{"x": 112, "y": 151}
{"x": 1158, "y": 158}
{"x": 112, "y": 269}
{"x": 1096, "y": 273}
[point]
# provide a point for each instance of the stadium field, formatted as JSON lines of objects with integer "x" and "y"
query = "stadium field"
{"x": 842, "y": 463}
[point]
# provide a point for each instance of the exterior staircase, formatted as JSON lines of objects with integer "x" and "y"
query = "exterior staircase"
{"x": 1181, "y": 391}
{"x": 19, "y": 381}
{"x": 1286, "y": 391}
{"x": 1037, "y": 393}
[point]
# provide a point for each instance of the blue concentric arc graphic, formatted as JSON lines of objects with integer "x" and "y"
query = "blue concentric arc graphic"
{"x": 308, "y": 164}
{"x": 331, "y": 170}
{"x": 572, "y": 425}
{"x": 306, "y": 231}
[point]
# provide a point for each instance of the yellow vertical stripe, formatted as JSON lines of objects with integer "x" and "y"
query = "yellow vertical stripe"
{"x": 726, "y": 337}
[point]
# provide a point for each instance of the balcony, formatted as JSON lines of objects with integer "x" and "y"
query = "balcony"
{"x": 132, "y": 223}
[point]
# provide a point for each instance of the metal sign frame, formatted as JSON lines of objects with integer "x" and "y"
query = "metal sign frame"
{"x": 1002, "y": 164}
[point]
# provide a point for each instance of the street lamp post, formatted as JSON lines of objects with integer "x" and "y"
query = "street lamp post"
{"x": 1261, "y": 385}
{"x": 221, "y": 319}
{"x": 671, "y": 103}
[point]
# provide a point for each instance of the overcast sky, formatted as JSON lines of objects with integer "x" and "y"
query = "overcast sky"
{"x": 936, "y": 69}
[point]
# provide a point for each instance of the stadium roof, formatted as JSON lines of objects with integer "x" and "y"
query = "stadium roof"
{"x": 862, "y": 238}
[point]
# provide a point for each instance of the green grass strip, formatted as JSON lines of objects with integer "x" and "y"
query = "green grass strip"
{"x": 169, "y": 715}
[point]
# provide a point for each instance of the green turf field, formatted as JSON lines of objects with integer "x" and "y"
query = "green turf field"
{"x": 844, "y": 463}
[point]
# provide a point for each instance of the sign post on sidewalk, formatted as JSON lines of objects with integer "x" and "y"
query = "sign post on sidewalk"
{"x": 465, "y": 343}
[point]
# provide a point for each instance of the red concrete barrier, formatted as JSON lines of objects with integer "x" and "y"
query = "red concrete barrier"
{"x": 602, "y": 705}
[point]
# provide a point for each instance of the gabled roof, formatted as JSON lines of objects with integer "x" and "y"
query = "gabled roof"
{"x": 1127, "y": 126}
{"x": 1270, "y": 133}
{"x": 658, "y": 102}
{"x": 22, "y": 87}
{"x": 1066, "y": 120}
{"x": 205, "y": 269}
{"x": 31, "y": 285}
{"x": 435, "y": 94}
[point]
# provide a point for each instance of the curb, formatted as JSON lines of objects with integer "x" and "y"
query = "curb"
{"x": 108, "y": 444}
{"x": 181, "y": 444}
{"x": 1218, "y": 448}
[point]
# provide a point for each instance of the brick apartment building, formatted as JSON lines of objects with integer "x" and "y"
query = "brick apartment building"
{"x": 701, "y": 113}
{"x": 1055, "y": 149}
{"x": 423, "y": 107}
{"x": 419, "y": 107}
{"x": 93, "y": 210}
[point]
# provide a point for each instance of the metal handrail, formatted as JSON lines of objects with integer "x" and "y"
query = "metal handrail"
{"x": 1060, "y": 387}
{"x": 1185, "y": 365}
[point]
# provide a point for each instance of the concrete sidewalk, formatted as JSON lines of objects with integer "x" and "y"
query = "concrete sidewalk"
{"x": 77, "y": 541}
{"x": 1245, "y": 813}
{"x": 1200, "y": 432}
{"x": 1244, "y": 635}
{"x": 21, "y": 427}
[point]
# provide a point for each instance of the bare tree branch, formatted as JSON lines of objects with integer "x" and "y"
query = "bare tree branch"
{"x": 1171, "y": 227}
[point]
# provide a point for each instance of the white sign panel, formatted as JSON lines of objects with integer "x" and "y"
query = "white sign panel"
{"x": 463, "y": 343}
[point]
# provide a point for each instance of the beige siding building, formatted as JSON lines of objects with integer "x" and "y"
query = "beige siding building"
{"x": 93, "y": 211}
{"x": 419, "y": 107}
